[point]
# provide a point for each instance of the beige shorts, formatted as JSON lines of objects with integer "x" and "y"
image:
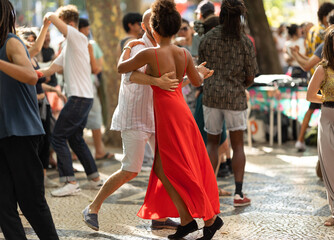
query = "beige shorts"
{"x": 214, "y": 118}
{"x": 134, "y": 142}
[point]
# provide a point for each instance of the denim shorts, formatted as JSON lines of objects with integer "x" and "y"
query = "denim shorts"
{"x": 214, "y": 118}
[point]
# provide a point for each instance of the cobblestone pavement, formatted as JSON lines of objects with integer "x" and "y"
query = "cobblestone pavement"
{"x": 288, "y": 202}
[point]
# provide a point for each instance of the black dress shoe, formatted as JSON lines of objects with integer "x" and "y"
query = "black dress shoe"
{"x": 183, "y": 231}
{"x": 209, "y": 232}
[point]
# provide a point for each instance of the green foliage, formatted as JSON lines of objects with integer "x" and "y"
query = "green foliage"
{"x": 277, "y": 11}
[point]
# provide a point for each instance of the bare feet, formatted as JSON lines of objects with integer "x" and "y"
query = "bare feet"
{"x": 222, "y": 192}
{"x": 329, "y": 222}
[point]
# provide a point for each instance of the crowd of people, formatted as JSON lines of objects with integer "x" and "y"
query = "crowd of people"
{"x": 308, "y": 53}
{"x": 182, "y": 106}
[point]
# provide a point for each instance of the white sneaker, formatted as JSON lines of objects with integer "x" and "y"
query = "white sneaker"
{"x": 48, "y": 183}
{"x": 300, "y": 146}
{"x": 94, "y": 185}
{"x": 67, "y": 190}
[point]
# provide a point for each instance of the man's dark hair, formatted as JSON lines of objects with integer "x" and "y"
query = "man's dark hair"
{"x": 131, "y": 18}
{"x": 330, "y": 18}
{"x": 7, "y": 20}
{"x": 230, "y": 17}
{"x": 83, "y": 22}
{"x": 292, "y": 29}
{"x": 210, "y": 22}
{"x": 324, "y": 9}
{"x": 183, "y": 20}
{"x": 207, "y": 9}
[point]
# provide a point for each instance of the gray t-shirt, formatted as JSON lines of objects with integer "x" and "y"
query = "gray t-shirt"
{"x": 318, "y": 50}
{"x": 19, "y": 115}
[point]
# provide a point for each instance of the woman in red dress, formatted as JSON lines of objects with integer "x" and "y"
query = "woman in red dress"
{"x": 182, "y": 182}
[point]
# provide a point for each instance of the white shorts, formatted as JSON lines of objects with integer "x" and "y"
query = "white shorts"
{"x": 134, "y": 142}
{"x": 214, "y": 118}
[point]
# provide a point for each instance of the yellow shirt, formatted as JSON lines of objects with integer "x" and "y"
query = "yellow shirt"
{"x": 315, "y": 37}
{"x": 327, "y": 86}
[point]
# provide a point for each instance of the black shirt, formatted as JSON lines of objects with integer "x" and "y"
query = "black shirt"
{"x": 47, "y": 54}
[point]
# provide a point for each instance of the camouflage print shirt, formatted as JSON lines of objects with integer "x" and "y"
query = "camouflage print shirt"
{"x": 315, "y": 37}
{"x": 232, "y": 60}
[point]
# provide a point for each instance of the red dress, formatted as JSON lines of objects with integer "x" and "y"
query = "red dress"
{"x": 184, "y": 159}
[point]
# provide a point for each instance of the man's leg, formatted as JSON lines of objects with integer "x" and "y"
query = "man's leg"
{"x": 80, "y": 148}
{"x": 213, "y": 120}
{"x": 10, "y": 221}
{"x": 27, "y": 173}
{"x": 114, "y": 182}
{"x": 133, "y": 150}
{"x": 239, "y": 158}
{"x": 300, "y": 143}
{"x": 236, "y": 123}
{"x": 212, "y": 147}
{"x": 64, "y": 127}
{"x": 100, "y": 151}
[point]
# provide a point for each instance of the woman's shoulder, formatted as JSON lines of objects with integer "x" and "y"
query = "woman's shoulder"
{"x": 12, "y": 42}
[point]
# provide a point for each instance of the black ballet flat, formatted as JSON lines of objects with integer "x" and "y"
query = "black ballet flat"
{"x": 209, "y": 232}
{"x": 183, "y": 231}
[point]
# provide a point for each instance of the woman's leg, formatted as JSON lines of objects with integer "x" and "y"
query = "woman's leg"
{"x": 181, "y": 207}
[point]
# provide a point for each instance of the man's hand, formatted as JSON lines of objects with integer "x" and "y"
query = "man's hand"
{"x": 167, "y": 83}
{"x": 205, "y": 71}
{"x": 61, "y": 96}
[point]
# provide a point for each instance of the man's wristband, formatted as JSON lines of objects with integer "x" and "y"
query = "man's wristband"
{"x": 127, "y": 47}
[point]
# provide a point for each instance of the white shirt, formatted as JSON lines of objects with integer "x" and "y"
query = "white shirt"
{"x": 74, "y": 58}
{"x": 300, "y": 43}
{"x": 135, "y": 101}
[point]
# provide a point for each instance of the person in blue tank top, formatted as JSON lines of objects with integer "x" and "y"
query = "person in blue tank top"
{"x": 21, "y": 171}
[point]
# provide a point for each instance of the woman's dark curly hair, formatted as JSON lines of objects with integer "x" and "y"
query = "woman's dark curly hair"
{"x": 165, "y": 19}
{"x": 230, "y": 15}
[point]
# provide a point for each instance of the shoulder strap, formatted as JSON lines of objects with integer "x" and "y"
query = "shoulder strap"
{"x": 156, "y": 56}
{"x": 185, "y": 67}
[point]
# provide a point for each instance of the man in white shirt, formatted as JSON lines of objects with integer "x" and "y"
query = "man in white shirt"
{"x": 135, "y": 119}
{"x": 75, "y": 62}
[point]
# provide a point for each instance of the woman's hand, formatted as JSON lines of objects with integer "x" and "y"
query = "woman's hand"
{"x": 134, "y": 43}
{"x": 46, "y": 22}
{"x": 206, "y": 72}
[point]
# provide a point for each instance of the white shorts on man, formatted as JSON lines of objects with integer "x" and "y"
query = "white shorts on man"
{"x": 134, "y": 117}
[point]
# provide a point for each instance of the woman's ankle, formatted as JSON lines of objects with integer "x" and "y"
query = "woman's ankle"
{"x": 186, "y": 221}
{"x": 209, "y": 222}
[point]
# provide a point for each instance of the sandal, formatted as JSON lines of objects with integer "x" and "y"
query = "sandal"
{"x": 223, "y": 193}
{"x": 108, "y": 155}
{"x": 329, "y": 222}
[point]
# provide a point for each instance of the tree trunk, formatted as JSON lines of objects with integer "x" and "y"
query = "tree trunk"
{"x": 60, "y": 3}
{"x": 106, "y": 26}
{"x": 267, "y": 55}
{"x": 322, "y": 1}
{"x": 133, "y": 6}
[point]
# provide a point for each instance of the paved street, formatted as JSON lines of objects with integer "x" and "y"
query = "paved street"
{"x": 288, "y": 202}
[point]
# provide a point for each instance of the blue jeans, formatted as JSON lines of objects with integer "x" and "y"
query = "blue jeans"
{"x": 69, "y": 127}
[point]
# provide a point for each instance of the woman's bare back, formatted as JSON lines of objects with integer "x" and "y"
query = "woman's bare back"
{"x": 168, "y": 59}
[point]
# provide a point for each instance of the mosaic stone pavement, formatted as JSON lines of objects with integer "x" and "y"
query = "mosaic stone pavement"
{"x": 288, "y": 202}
